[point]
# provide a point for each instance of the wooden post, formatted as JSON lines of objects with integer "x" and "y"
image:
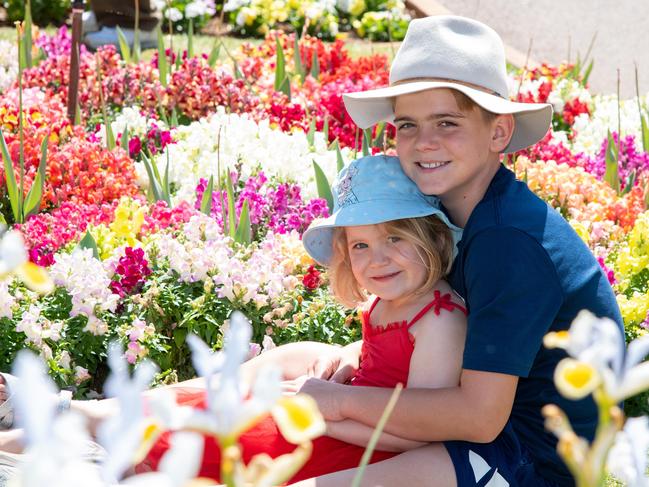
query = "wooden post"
{"x": 73, "y": 86}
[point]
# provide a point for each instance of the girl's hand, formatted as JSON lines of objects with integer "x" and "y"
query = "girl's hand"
{"x": 339, "y": 366}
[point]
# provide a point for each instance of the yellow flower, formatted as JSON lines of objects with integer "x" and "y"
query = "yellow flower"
{"x": 557, "y": 339}
{"x": 582, "y": 230}
{"x": 298, "y": 418}
{"x": 35, "y": 277}
{"x": 575, "y": 379}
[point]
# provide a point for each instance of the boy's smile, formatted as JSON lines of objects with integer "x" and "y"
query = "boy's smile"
{"x": 446, "y": 151}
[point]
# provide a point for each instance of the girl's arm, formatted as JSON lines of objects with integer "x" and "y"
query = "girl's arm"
{"x": 356, "y": 433}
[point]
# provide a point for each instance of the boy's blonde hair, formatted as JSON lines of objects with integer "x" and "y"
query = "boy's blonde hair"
{"x": 431, "y": 237}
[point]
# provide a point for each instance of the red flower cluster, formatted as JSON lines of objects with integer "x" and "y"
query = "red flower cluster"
{"x": 312, "y": 279}
{"x": 161, "y": 216}
{"x": 572, "y": 108}
{"x": 130, "y": 272}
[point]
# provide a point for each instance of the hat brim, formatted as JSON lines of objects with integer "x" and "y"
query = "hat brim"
{"x": 532, "y": 120}
{"x": 318, "y": 238}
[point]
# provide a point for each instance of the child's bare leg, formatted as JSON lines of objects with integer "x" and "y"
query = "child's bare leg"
{"x": 12, "y": 441}
{"x": 428, "y": 466}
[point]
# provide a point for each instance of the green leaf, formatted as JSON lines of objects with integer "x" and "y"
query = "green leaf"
{"x": 206, "y": 200}
{"x": 124, "y": 139}
{"x": 215, "y": 53}
{"x": 325, "y": 129}
{"x": 166, "y": 187}
{"x": 299, "y": 65}
{"x": 243, "y": 233}
{"x": 231, "y": 211}
{"x": 367, "y": 138}
{"x": 123, "y": 46}
{"x": 315, "y": 66}
{"x": 27, "y": 42}
{"x": 77, "y": 115}
{"x": 340, "y": 161}
{"x": 376, "y": 434}
{"x": 324, "y": 188}
{"x": 612, "y": 176}
{"x": 110, "y": 136}
{"x": 88, "y": 242}
{"x": 584, "y": 79}
{"x": 378, "y": 140}
{"x": 630, "y": 181}
{"x": 154, "y": 184}
{"x": 2, "y": 219}
{"x": 33, "y": 201}
{"x": 163, "y": 62}
{"x": 644, "y": 128}
{"x": 174, "y": 118}
{"x": 310, "y": 135}
{"x": 10, "y": 178}
{"x": 190, "y": 39}
{"x": 280, "y": 65}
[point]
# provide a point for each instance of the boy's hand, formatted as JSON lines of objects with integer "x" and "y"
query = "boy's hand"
{"x": 327, "y": 394}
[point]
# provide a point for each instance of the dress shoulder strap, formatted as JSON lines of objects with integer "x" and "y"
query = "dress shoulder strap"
{"x": 440, "y": 301}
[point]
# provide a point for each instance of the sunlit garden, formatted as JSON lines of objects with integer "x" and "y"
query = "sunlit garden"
{"x": 177, "y": 189}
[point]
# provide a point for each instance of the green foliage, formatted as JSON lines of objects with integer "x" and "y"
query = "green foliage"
{"x": 44, "y": 12}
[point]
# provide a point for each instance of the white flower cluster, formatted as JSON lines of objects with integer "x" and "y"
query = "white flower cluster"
{"x": 202, "y": 248}
{"x": 592, "y": 131}
{"x": 130, "y": 118}
{"x": 197, "y": 153}
{"x": 87, "y": 281}
{"x": 262, "y": 276}
{"x": 8, "y": 64}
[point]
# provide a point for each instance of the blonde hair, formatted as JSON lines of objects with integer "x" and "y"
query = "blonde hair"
{"x": 431, "y": 237}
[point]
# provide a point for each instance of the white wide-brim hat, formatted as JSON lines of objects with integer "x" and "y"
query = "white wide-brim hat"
{"x": 454, "y": 52}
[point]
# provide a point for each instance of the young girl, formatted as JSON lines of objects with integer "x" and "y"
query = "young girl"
{"x": 386, "y": 246}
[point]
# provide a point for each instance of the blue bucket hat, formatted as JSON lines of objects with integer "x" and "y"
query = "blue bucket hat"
{"x": 371, "y": 190}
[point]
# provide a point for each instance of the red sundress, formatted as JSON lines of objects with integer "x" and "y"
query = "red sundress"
{"x": 385, "y": 361}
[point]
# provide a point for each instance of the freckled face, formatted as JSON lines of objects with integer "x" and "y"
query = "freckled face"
{"x": 385, "y": 265}
{"x": 442, "y": 148}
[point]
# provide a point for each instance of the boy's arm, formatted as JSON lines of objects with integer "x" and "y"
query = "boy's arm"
{"x": 476, "y": 411}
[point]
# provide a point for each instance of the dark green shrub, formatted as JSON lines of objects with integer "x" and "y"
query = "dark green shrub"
{"x": 44, "y": 12}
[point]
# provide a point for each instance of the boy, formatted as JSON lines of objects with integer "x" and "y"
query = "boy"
{"x": 520, "y": 268}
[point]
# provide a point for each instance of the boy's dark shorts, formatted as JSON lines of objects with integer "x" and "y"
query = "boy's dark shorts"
{"x": 502, "y": 463}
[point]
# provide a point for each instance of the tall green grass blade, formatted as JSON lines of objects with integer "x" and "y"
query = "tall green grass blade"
{"x": 110, "y": 136}
{"x": 375, "y": 436}
{"x": 174, "y": 118}
{"x": 644, "y": 127}
{"x": 88, "y": 242}
{"x": 324, "y": 188}
{"x": 190, "y": 39}
{"x": 206, "y": 200}
{"x": 10, "y": 178}
{"x": 163, "y": 62}
{"x": 325, "y": 129}
{"x": 243, "y": 234}
{"x": 124, "y": 48}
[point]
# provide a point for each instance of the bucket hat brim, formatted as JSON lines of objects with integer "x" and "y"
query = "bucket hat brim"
{"x": 532, "y": 120}
{"x": 318, "y": 239}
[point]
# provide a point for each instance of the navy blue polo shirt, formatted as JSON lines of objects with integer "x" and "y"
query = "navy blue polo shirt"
{"x": 523, "y": 271}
